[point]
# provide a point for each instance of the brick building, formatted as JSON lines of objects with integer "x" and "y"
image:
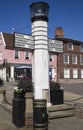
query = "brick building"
{"x": 70, "y": 62}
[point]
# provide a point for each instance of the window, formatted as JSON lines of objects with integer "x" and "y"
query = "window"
{"x": 74, "y": 59}
{"x": 81, "y": 73}
{"x": 16, "y": 54}
{"x": 81, "y": 47}
{"x": 70, "y": 46}
{"x": 75, "y": 73}
{"x": 0, "y": 55}
{"x": 27, "y": 55}
{"x": 81, "y": 59}
{"x": 66, "y": 58}
{"x": 66, "y": 73}
{"x": 50, "y": 57}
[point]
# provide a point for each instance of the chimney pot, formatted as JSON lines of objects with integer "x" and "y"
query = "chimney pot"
{"x": 59, "y": 33}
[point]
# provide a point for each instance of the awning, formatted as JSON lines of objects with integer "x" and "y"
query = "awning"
{"x": 24, "y": 67}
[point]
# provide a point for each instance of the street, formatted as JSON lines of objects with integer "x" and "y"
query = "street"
{"x": 73, "y": 87}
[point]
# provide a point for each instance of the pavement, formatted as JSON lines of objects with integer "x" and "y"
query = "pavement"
{"x": 68, "y": 123}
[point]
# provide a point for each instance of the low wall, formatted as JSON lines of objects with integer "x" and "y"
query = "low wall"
{"x": 29, "y": 108}
{"x": 2, "y": 96}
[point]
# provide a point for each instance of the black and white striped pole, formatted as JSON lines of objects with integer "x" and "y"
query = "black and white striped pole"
{"x": 39, "y": 18}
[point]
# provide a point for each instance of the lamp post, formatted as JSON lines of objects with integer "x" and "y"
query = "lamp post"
{"x": 40, "y": 67}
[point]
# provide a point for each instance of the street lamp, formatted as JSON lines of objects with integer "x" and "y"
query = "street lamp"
{"x": 39, "y": 11}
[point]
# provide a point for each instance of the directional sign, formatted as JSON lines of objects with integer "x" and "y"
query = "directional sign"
{"x": 55, "y": 45}
{"x": 24, "y": 41}
{"x": 28, "y": 42}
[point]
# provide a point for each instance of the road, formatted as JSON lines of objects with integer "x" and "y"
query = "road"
{"x": 73, "y": 87}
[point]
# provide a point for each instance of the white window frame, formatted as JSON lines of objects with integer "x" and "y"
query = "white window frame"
{"x": 81, "y": 47}
{"x": 81, "y": 59}
{"x": 0, "y": 55}
{"x": 70, "y": 46}
{"x": 27, "y": 55}
{"x": 66, "y": 58}
{"x": 75, "y": 73}
{"x": 66, "y": 73}
{"x": 18, "y": 55}
{"x": 81, "y": 73}
{"x": 74, "y": 59}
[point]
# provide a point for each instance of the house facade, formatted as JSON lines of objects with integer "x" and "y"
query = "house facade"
{"x": 11, "y": 59}
{"x": 63, "y": 67}
{"x": 70, "y": 62}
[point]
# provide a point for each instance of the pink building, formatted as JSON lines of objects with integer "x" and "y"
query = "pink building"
{"x": 11, "y": 59}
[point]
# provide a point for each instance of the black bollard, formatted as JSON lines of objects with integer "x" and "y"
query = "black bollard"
{"x": 40, "y": 116}
{"x": 18, "y": 110}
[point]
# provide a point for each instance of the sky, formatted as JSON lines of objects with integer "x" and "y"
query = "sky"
{"x": 67, "y": 14}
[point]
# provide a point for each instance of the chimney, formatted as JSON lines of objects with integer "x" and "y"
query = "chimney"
{"x": 59, "y": 33}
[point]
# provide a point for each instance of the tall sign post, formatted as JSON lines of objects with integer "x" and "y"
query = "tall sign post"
{"x": 39, "y": 18}
{"x": 40, "y": 46}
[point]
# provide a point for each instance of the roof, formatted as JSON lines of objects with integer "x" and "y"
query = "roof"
{"x": 9, "y": 41}
{"x": 8, "y": 38}
{"x": 69, "y": 40}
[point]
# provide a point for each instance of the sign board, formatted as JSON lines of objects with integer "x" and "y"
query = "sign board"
{"x": 24, "y": 41}
{"x": 28, "y": 42}
{"x": 55, "y": 45}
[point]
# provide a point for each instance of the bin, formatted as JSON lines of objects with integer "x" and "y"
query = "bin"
{"x": 18, "y": 110}
{"x": 40, "y": 116}
{"x": 57, "y": 97}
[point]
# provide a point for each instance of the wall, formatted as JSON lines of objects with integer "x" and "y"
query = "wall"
{"x": 61, "y": 65}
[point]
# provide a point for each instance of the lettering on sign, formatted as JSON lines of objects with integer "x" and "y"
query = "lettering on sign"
{"x": 28, "y": 42}
{"x": 24, "y": 41}
{"x": 55, "y": 45}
